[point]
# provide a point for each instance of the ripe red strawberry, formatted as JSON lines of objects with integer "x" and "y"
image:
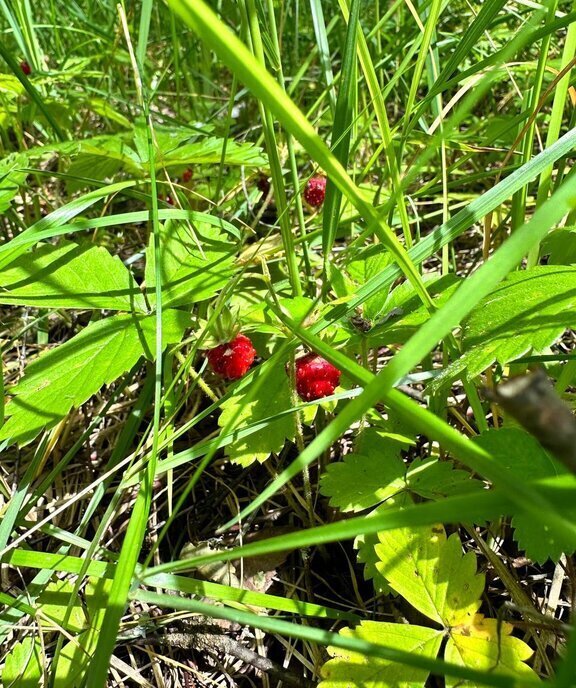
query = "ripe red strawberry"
{"x": 26, "y": 68}
{"x": 315, "y": 377}
{"x": 315, "y": 191}
{"x": 186, "y": 175}
{"x": 232, "y": 360}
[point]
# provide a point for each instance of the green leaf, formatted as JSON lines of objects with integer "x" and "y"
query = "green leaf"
{"x": 70, "y": 276}
{"x": 12, "y": 176}
{"x": 273, "y": 396}
{"x": 487, "y": 645}
{"x": 434, "y": 479}
{"x": 54, "y": 601}
{"x": 209, "y": 152}
{"x": 528, "y": 311}
{"x": 363, "y": 480}
{"x": 431, "y": 573}
{"x": 66, "y": 376}
{"x": 370, "y": 263}
{"x": 23, "y": 664}
{"x": 349, "y": 669}
{"x": 197, "y": 261}
{"x": 525, "y": 458}
{"x": 560, "y": 246}
{"x": 76, "y": 654}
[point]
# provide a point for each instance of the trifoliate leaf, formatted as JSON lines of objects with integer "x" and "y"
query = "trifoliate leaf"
{"x": 434, "y": 479}
{"x": 197, "y": 261}
{"x": 431, "y": 573}
{"x": 352, "y": 670}
{"x": 524, "y": 457}
{"x": 363, "y": 480}
{"x": 270, "y": 391}
{"x": 487, "y": 645}
{"x": 527, "y": 312}
{"x": 70, "y": 276}
{"x": 64, "y": 377}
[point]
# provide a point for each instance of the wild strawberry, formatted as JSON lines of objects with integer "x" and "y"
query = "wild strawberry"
{"x": 186, "y": 175}
{"x": 314, "y": 191}
{"x": 166, "y": 199}
{"x": 26, "y": 68}
{"x": 232, "y": 360}
{"x": 315, "y": 377}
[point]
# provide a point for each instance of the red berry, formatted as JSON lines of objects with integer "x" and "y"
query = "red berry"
{"x": 315, "y": 191}
{"x": 315, "y": 377}
{"x": 26, "y": 68}
{"x": 186, "y": 175}
{"x": 166, "y": 199}
{"x": 232, "y": 360}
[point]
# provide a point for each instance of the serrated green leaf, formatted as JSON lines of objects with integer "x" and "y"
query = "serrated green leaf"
{"x": 54, "y": 601}
{"x": 23, "y": 664}
{"x": 528, "y": 311}
{"x": 371, "y": 261}
{"x": 352, "y": 670}
{"x": 66, "y": 376}
{"x": 431, "y": 573}
{"x": 70, "y": 276}
{"x": 208, "y": 151}
{"x": 366, "y": 543}
{"x": 525, "y": 457}
{"x": 434, "y": 479}
{"x": 197, "y": 261}
{"x": 12, "y": 176}
{"x": 363, "y": 480}
{"x": 274, "y": 397}
{"x": 487, "y": 645}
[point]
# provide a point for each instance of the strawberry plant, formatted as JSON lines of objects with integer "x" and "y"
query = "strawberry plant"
{"x": 274, "y": 280}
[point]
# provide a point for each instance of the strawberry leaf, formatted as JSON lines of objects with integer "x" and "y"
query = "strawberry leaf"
{"x": 431, "y": 573}
{"x": 197, "y": 261}
{"x": 537, "y": 305}
{"x": 70, "y": 276}
{"x": 487, "y": 645}
{"x": 363, "y": 480}
{"x": 353, "y": 670}
{"x": 68, "y": 375}
{"x": 259, "y": 397}
{"x": 523, "y": 456}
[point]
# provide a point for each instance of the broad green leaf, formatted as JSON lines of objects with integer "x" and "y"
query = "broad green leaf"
{"x": 66, "y": 376}
{"x": 209, "y": 152}
{"x": 431, "y": 573}
{"x": 24, "y": 664}
{"x": 349, "y": 669}
{"x": 371, "y": 262}
{"x": 434, "y": 479}
{"x": 12, "y": 176}
{"x": 525, "y": 458}
{"x": 366, "y": 544}
{"x": 197, "y": 261}
{"x": 363, "y": 480}
{"x": 487, "y": 645}
{"x": 274, "y": 396}
{"x": 527, "y": 312}
{"x": 70, "y": 276}
{"x": 54, "y": 601}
